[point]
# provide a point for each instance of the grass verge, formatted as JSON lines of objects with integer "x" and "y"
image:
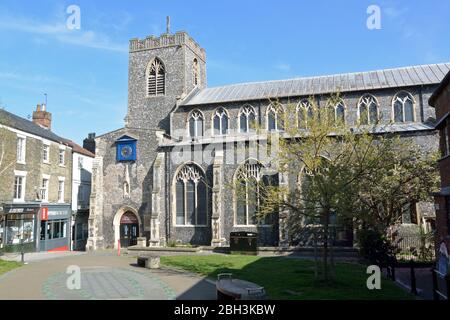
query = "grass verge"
{"x": 290, "y": 279}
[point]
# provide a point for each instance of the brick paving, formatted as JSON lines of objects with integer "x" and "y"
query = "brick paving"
{"x": 104, "y": 276}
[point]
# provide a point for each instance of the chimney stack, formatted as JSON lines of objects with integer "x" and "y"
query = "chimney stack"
{"x": 89, "y": 143}
{"x": 42, "y": 117}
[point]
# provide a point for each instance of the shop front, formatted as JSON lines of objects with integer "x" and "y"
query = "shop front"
{"x": 18, "y": 228}
{"x": 55, "y": 228}
{"x": 34, "y": 227}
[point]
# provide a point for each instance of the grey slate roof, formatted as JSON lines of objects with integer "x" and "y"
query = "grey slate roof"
{"x": 16, "y": 122}
{"x": 359, "y": 81}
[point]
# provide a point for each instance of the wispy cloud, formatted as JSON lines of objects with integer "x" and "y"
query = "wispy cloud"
{"x": 59, "y": 32}
{"x": 283, "y": 67}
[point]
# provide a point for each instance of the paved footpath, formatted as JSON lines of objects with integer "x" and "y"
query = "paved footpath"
{"x": 104, "y": 276}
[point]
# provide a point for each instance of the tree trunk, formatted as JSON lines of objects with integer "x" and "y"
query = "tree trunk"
{"x": 316, "y": 260}
{"x": 325, "y": 243}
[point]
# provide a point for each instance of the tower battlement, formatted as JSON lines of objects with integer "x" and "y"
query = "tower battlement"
{"x": 167, "y": 40}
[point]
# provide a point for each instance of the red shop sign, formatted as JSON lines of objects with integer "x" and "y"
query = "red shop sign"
{"x": 44, "y": 214}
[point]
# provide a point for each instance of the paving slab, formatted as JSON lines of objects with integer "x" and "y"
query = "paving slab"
{"x": 104, "y": 276}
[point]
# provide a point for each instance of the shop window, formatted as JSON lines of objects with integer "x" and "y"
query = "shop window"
{"x": 19, "y": 229}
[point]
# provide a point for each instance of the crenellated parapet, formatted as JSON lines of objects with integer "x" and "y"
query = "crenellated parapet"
{"x": 167, "y": 40}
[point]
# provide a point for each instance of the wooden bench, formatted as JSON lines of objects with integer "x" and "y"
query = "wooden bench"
{"x": 236, "y": 289}
{"x": 149, "y": 262}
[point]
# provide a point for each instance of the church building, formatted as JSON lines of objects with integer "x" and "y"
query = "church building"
{"x": 149, "y": 180}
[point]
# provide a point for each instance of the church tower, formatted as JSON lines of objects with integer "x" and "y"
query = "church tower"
{"x": 162, "y": 70}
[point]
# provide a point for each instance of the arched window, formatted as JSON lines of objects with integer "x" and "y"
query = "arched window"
{"x": 191, "y": 196}
{"x": 340, "y": 112}
{"x": 196, "y": 124}
{"x": 247, "y": 116}
{"x": 304, "y": 113}
{"x": 403, "y": 107}
{"x": 368, "y": 109}
{"x": 196, "y": 72}
{"x": 220, "y": 121}
{"x": 248, "y": 193}
{"x": 275, "y": 118}
{"x": 156, "y": 78}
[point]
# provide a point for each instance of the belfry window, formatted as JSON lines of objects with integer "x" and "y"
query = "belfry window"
{"x": 191, "y": 198}
{"x": 196, "y": 124}
{"x": 403, "y": 107}
{"x": 156, "y": 78}
{"x": 196, "y": 72}
{"x": 249, "y": 189}
{"x": 220, "y": 121}
{"x": 247, "y": 117}
{"x": 368, "y": 109}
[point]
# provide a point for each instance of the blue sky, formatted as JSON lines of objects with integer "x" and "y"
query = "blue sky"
{"x": 84, "y": 72}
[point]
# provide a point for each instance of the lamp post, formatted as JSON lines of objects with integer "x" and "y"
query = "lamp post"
{"x": 22, "y": 253}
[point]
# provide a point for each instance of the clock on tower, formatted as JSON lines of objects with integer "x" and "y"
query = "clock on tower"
{"x": 126, "y": 149}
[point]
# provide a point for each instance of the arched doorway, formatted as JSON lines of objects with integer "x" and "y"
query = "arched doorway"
{"x": 129, "y": 230}
{"x": 126, "y": 227}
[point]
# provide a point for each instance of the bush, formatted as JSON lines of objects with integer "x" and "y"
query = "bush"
{"x": 376, "y": 247}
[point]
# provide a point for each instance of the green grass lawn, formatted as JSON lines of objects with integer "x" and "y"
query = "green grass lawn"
{"x": 291, "y": 279}
{"x": 6, "y": 266}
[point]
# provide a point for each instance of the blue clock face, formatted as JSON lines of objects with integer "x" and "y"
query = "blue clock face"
{"x": 126, "y": 152}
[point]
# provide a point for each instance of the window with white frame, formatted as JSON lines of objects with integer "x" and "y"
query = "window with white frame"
{"x": 368, "y": 109}
{"x": 46, "y": 153}
{"x": 156, "y": 78}
{"x": 80, "y": 163}
{"x": 250, "y": 184}
{"x": 275, "y": 118}
{"x": 247, "y": 118}
{"x": 403, "y": 107}
{"x": 44, "y": 190}
{"x": 61, "y": 190}
{"x": 304, "y": 113}
{"x": 220, "y": 122}
{"x": 61, "y": 157}
{"x": 339, "y": 111}
{"x": 21, "y": 149}
{"x": 196, "y": 124}
{"x": 19, "y": 186}
{"x": 190, "y": 197}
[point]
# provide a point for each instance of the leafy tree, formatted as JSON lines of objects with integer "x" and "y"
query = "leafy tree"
{"x": 359, "y": 175}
